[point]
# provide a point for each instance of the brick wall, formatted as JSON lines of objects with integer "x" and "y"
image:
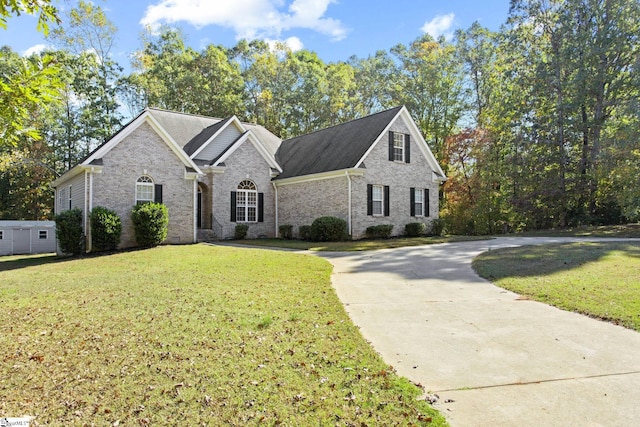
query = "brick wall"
{"x": 299, "y": 204}
{"x": 244, "y": 163}
{"x": 143, "y": 152}
{"x": 400, "y": 177}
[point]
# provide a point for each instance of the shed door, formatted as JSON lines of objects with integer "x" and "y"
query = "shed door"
{"x": 21, "y": 241}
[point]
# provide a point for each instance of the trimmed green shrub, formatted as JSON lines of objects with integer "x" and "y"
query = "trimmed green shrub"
{"x": 150, "y": 223}
{"x": 414, "y": 229}
{"x": 69, "y": 231}
{"x": 106, "y": 229}
{"x": 328, "y": 229}
{"x": 304, "y": 232}
{"x": 241, "y": 231}
{"x": 286, "y": 231}
{"x": 382, "y": 231}
{"x": 437, "y": 227}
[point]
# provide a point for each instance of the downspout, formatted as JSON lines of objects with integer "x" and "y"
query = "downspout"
{"x": 275, "y": 188}
{"x": 346, "y": 173}
{"x": 88, "y": 179}
{"x": 195, "y": 211}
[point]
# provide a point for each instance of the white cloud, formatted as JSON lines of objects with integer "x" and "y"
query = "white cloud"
{"x": 293, "y": 43}
{"x": 36, "y": 49}
{"x": 248, "y": 18}
{"x": 439, "y": 26}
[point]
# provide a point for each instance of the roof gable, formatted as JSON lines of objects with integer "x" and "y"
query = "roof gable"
{"x": 215, "y": 140}
{"x": 144, "y": 117}
{"x": 257, "y": 144}
{"x": 417, "y": 138}
{"x": 335, "y": 148}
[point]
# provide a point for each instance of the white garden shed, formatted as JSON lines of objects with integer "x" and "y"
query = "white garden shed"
{"x": 27, "y": 237}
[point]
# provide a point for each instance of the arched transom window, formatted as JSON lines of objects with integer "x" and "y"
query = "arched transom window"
{"x": 144, "y": 190}
{"x": 247, "y": 202}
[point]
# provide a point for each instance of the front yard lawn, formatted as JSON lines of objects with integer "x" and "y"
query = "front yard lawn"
{"x": 597, "y": 279}
{"x": 190, "y": 335}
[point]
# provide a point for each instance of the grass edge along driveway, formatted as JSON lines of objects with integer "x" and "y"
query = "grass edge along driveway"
{"x": 601, "y": 280}
{"x": 190, "y": 335}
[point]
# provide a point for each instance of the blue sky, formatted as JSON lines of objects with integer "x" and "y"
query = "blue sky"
{"x": 335, "y": 29}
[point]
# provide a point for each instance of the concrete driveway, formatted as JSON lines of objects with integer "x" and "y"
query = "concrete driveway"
{"x": 493, "y": 359}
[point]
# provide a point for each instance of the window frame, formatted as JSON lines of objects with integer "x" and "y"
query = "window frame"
{"x": 145, "y": 187}
{"x": 247, "y": 202}
{"x": 399, "y": 147}
{"x": 374, "y": 188}
{"x": 418, "y": 193}
{"x": 70, "y": 196}
{"x": 40, "y": 234}
{"x": 1, "y": 234}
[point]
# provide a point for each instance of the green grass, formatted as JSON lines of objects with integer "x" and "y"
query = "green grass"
{"x": 597, "y": 279}
{"x": 190, "y": 335}
{"x": 356, "y": 245}
{"x": 626, "y": 230}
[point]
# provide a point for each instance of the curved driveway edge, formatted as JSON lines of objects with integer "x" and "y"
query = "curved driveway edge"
{"x": 493, "y": 359}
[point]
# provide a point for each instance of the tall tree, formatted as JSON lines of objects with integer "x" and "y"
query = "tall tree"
{"x": 90, "y": 35}
{"x": 27, "y": 86}
{"x": 430, "y": 82}
{"x": 173, "y": 76}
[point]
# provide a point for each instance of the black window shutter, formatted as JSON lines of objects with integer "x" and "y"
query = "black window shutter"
{"x": 369, "y": 199}
{"x": 233, "y": 206}
{"x": 157, "y": 193}
{"x": 386, "y": 200}
{"x": 407, "y": 149}
{"x": 260, "y": 207}
{"x": 412, "y": 200}
{"x": 391, "y": 145}
{"x": 426, "y": 202}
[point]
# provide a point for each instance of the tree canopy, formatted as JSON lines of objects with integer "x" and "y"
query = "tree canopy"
{"x": 536, "y": 125}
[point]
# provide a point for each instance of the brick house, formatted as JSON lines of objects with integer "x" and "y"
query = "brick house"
{"x": 213, "y": 174}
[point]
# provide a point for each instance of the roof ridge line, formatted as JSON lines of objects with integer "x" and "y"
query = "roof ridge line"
{"x": 344, "y": 123}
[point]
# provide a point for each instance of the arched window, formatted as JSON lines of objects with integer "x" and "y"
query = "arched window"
{"x": 247, "y": 202}
{"x": 144, "y": 190}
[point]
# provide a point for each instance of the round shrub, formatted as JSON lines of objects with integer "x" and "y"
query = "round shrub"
{"x": 69, "y": 231}
{"x": 382, "y": 231}
{"x": 437, "y": 227}
{"x": 304, "y": 232}
{"x": 414, "y": 229}
{"x": 286, "y": 231}
{"x": 328, "y": 229}
{"x": 150, "y": 223}
{"x": 241, "y": 231}
{"x": 106, "y": 229}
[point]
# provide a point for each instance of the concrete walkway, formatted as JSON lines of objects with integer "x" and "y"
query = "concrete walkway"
{"x": 492, "y": 358}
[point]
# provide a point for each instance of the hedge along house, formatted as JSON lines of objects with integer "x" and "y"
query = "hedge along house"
{"x": 213, "y": 174}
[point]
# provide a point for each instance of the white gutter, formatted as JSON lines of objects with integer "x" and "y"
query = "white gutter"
{"x": 276, "y": 196}
{"x": 346, "y": 173}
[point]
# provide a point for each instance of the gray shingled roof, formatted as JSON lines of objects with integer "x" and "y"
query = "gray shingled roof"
{"x": 181, "y": 126}
{"x": 334, "y": 148}
{"x": 191, "y": 131}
